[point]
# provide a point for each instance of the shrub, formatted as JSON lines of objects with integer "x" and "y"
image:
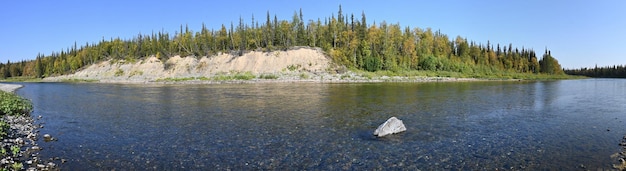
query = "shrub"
{"x": 244, "y": 76}
{"x": 233, "y": 76}
{"x": 135, "y": 72}
{"x": 345, "y": 76}
{"x": 119, "y": 72}
{"x": 4, "y": 129}
{"x": 304, "y": 76}
{"x": 268, "y": 76}
{"x": 294, "y": 67}
{"x": 11, "y": 104}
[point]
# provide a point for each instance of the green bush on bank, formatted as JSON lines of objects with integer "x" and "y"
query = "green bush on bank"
{"x": 11, "y": 104}
{"x": 233, "y": 76}
{"x": 479, "y": 72}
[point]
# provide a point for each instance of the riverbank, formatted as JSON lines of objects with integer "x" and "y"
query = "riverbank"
{"x": 19, "y": 149}
{"x": 300, "y": 64}
{"x": 621, "y": 156}
{"x": 298, "y": 77}
{"x": 9, "y": 87}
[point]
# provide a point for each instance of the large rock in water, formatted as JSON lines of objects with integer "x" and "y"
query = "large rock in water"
{"x": 391, "y": 126}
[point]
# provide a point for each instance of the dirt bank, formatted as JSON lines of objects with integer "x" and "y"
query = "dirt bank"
{"x": 299, "y": 60}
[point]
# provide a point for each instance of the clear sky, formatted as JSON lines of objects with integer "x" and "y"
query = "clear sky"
{"x": 579, "y": 33}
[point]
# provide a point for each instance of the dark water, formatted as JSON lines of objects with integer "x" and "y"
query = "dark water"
{"x": 466, "y": 126}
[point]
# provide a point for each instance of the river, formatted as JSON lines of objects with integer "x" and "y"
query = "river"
{"x": 534, "y": 125}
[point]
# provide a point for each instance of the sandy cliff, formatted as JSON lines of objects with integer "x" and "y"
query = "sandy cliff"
{"x": 309, "y": 60}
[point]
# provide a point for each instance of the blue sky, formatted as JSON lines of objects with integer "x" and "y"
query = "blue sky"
{"x": 579, "y": 33}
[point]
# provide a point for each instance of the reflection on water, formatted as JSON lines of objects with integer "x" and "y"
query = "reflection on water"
{"x": 469, "y": 126}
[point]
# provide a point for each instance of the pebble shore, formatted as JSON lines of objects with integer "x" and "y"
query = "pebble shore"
{"x": 9, "y": 87}
{"x": 281, "y": 77}
{"x": 23, "y": 134}
{"x": 621, "y": 156}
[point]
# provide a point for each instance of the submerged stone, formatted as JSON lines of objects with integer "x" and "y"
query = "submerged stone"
{"x": 391, "y": 126}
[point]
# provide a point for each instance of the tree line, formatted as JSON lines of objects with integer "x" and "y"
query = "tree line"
{"x": 349, "y": 41}
{"x": 615, "y": 71}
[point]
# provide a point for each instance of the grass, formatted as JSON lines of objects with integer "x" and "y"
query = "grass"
{"x": 119, "y": 72}
{"x": 21, "y": 79}
{"x": 219, "y": 77}
{"x": 304, "y": 76}
{"x": 233, "y": 76}
{"x": 135, "y": 72}
{"x": 268, "y": 76}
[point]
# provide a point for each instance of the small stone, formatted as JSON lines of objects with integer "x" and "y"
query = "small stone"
{"x": 51, "y": 165}
{"x": 40, "y": 166}
{"x": 47, "y": 137}
{"x": 35, "y": 148}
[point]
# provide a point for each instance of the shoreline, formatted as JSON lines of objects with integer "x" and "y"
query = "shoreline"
{"x": 282, "y": 77}
{"x": 23, "y": 133}
{"x": 10, "y": 87}
{"x": 269, "y": 81}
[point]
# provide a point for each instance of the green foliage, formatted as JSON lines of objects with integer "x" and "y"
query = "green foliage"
{"x": 4, "y": 130}
{"x": 244, "y": 76}
{"x": 294, "y": 67}
{"x": 22, "y": 79}
{"x": 550, "y": 65}
{"x": 431, "y": 63}
{"x": 345, "y": 76}
{"x": 480, "y": 72}
{"x": 15, "y": 150}
{"x": 135, "y": 72}
{"x": 268, "y": 76}
{"x": 351, "y": 43}
{"x": 233, "y": 76}
{"x": 17, "y": 166}
{"x": 615, "y": 71}
{"x": 304, "y": 76}
{"x": 119, "y": 72}
{"x": 11, "y": 104}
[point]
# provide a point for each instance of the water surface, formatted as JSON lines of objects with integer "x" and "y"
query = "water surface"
{"x": 466, "y": 126}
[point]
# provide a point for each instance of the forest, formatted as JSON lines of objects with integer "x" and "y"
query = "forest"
{"x": 615, "y": 71}
{"x": 349, "y": 41}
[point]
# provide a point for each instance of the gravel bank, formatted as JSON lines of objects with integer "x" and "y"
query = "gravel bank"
{"x": 278, "y": 77}
{"x": 20, "y": 143}
{"x": 9, "y": 87}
